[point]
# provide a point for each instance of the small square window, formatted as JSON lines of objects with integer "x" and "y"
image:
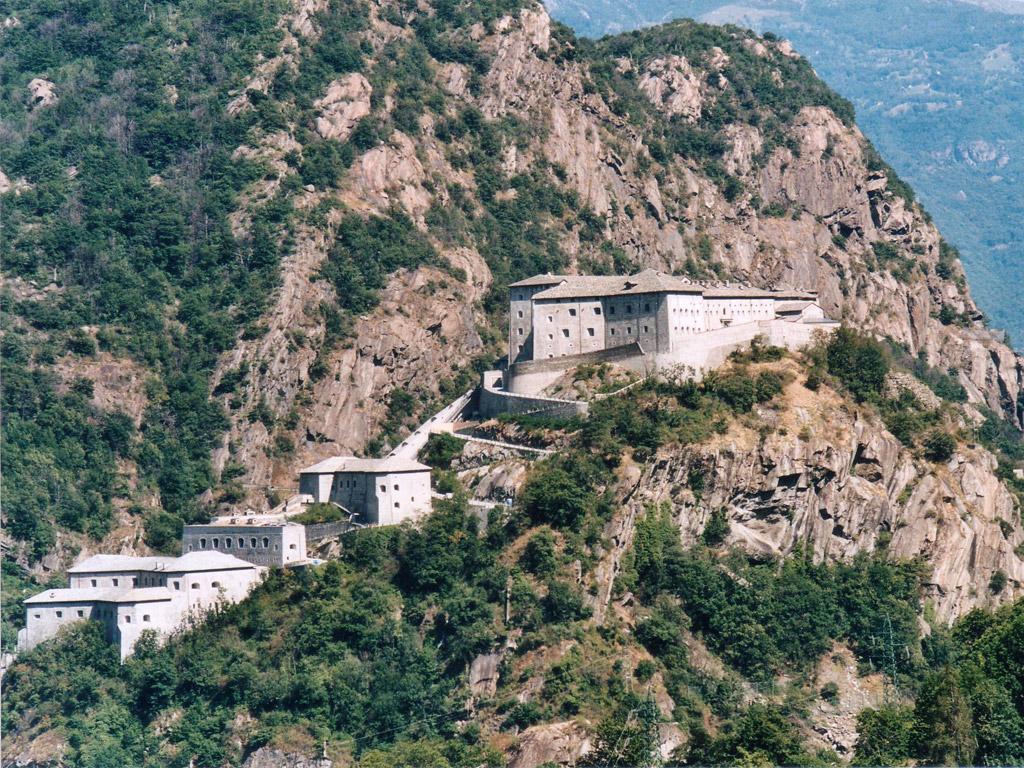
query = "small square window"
{"x": 520, "y": 313}
{"x": 383, "y": 489}
{"x": 597, "y": 310}
{"x": 629, "y": 331}
{"x": 396, "y": 486}
{"x": 551, "y": 319}
{"x": 60, "y": 614}
{"x": 519, "y": 331}
{"x": 115, "y": 582}
{"x": 572, "y": 313}
{"x": 611, "y": 310}
{"x": 590, "y": 331}
{"x": 647, "y": 307}
{"x": 629, "y": 309}
{"x": 565, "y": 332}
{"x": 81, "y": 614}
{"x": 94, "y": 582}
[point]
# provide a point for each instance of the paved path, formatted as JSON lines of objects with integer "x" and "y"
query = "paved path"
{"x": 411, "y": 446}
{"x": 510, "y": 446}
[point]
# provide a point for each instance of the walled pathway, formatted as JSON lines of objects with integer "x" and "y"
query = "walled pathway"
{"x": 411, "y": 446}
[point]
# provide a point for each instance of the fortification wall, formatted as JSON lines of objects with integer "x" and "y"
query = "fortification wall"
{"x": 537, "y": 375}
{"x": 494, "y": 401}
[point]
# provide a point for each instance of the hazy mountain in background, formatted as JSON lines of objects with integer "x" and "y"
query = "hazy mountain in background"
{"x": 938, "y": 86}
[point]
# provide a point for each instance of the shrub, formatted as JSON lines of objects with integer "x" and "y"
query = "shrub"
{"x": 441, "y": 449}
{"x": 858, "y": 361}
{"x": 539, "y": 554}
{"x": 738, "y": 390}
{"x": 998, "y": 582}
{"x": 716, "y": 529}
{"x": 830, "y": 693}
{"x": 939, "y": 445}
{"x": 554, "y": 496}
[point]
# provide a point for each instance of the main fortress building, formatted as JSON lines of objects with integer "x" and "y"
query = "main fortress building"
{"x": 642, "y": 322}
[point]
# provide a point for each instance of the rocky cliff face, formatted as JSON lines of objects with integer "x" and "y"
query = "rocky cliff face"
{"x": 808, "y": 217}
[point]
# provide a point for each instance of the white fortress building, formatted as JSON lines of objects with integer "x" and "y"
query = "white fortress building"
{"x": 260, "y": 540}
{"x": 376, "y": 491}
{"x": 130, "y": 595}
{"x": 645, "y": 321}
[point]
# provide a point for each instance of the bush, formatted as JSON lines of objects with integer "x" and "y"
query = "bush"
{"x": 441, "y": 450}
{"x": 998, "y": 582}
{"x": 738, "y": 390}
{"x": 858, "y": 361}
{"x": 540, "y": 555}
{"x": 830, "y": 693}
{"x": 939, "y": 445}
{"x": 555, "y": 497}
{"x": 716, "y": 529}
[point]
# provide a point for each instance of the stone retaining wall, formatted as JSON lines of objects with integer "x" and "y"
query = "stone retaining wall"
{"x": 494, "y": 401}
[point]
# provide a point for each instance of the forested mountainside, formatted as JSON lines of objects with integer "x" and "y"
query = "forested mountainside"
{"x": 239, "y": 237}
{"x": 937, "y": 86}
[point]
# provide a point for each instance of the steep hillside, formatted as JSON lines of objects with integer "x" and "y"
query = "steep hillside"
{"x": 937, "y": 86}
{"x": 249, "y": 245}
{"x": 577, "y": 628}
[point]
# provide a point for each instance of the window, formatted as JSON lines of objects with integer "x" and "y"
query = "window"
{"x": 396, "y": 486}
{"x": 202, "y": 543}
{"x": 216, "y": 543}
{"x": 81, "y": 614}
{"x": 36, "y": 615}
{"x": 383, "y": 488}
{"x": 292, "y": 546}
{"x": 520, "y": 347}
{"x": 597, "y": 310}
{"x": 177, "y": 585}
{"x": 127, "y": 619}
{"x": 520, "y": 313}
{"x": 241, "y": 542}
{"x": 590, "y": 331}
{"x": 629, "y": 330}
{"x": 397, "y": 505}
{"x": 266, "y": 542}
{"x": 94, "y": 582}
{"x": 227, "y": 543}
{"x": 145, "y": 617}
{"x": 551, "y": 319}
{"x": 115, "y": 582}
{"x": 611, "y": 310}
{"x": 612, "y": 331}
{"x": 215, "y": 585}
{"x": 190, "y": 547}
{"x": 60, "y": 614}
{"x": 645, "y": 329}
{"x": 135, "y": 580}
{"x": 252, "y": 542}
{"x": 519, "y": 331}
{"x": 629, "y": 309}
{"x": 550, "y": 336}
{"x": 195, "y": 585}
{"x": 647, "y": 307}
{"x": 565, "y": 332}
{"x": 572, "y": 313}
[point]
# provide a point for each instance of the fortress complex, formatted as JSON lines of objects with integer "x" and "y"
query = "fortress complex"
{"x": 130, "y": 595}
{"x": 643, "y": 322}
{"x": 377, "y": 491}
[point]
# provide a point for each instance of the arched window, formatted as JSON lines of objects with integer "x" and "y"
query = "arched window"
{"x": 216, "y": 543}
{"x": 241, "y": 543}
{"x": 266, "y": 542}
{"x": 215, "y": 585}
{"x": 195, "y": 585}
{"x": 291, "y": 546}
{"x": 227, "y": 543}
{"x": 202, "y": 543}
{"x": 252, "y": 542}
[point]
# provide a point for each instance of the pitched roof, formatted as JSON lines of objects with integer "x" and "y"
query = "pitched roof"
{"x": 369, "y": 466}
{"x": 540, "y": 280}
{"x": 109, "y": 563}
{"x": 207, "y": 561}
{"x": 105, "y": 595}
{"x": 648, "y": 281}
{"x": 193, "y": 561}
{"x": 789, "y": 307}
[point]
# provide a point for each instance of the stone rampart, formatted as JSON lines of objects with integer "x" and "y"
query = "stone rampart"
{"x": 532, "y": 376}
{"x": 494, "y": 401}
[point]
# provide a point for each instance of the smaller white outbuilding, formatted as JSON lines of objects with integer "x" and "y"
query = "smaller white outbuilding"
{"x": 130, "y": 595}
{"x": 257, "y": 540}
{"x": 378, "y": 491}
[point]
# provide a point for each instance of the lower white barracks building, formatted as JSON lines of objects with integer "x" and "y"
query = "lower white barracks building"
{"x": 378, "y": 491}
{"x": 132, "y": 594}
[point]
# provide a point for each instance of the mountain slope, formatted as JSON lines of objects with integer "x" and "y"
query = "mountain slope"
{"x": 937, "y": 87}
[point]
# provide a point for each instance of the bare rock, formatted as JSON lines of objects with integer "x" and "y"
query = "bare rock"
{"x": 42, "y": 92}
{"x": 672, "y": 86}
{"x": 267, "y": 757}
{"x": 483, "y": 674}
{"x": 559, "y": 743}
{"x": 346, "y": 102}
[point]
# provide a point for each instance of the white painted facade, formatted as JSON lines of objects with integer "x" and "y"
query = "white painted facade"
{"x": 130, "y": 595}
{"x": 378, "y": 491}
{"x": 554, "y": 316}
